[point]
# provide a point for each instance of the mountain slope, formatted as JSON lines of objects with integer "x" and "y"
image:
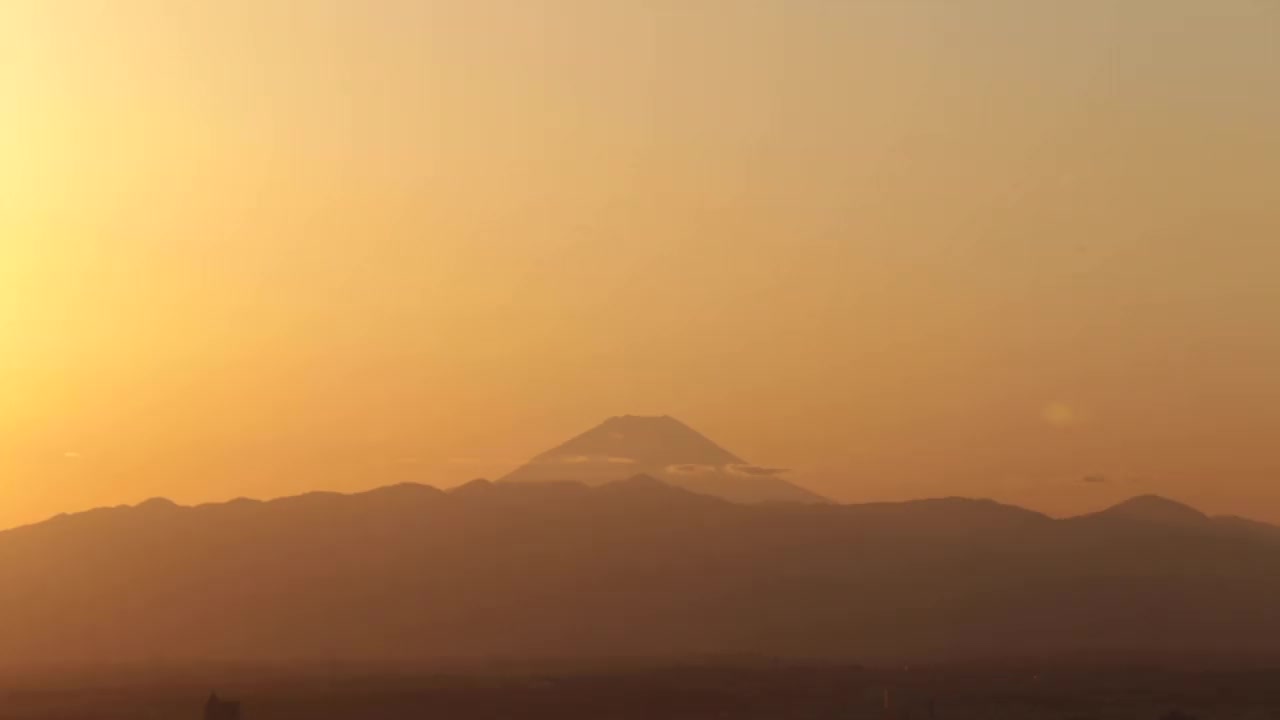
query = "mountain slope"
{"x": 664, "y": 448}
{"x": 628, "y": 569}
{"x": 1157, "y": 510}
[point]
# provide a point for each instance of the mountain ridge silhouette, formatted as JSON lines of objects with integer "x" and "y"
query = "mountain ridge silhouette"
{"x": 1141, "y": 507}
{"x": 637, "y": 568}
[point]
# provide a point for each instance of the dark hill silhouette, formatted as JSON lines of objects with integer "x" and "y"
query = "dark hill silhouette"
{"x": 1249, "y": 528}
{"x": 635, "y": 568}
{"x": 1155, "y": 509}
{"x": 663, "y": 448}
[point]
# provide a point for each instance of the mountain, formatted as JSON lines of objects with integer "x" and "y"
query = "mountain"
{"x": 631, "y": 569}
{"x": 663, "y": 448}
{"x": 1248, "y": 528}
{"x": 1156, "y": 510}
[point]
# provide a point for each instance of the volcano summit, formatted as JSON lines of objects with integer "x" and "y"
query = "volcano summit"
{"x": 664, "y": 448}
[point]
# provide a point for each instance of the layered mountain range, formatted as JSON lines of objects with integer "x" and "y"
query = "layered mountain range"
{"x": 629, "y": 568}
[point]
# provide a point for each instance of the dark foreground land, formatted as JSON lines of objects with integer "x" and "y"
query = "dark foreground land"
{"x": 691, "y": 691}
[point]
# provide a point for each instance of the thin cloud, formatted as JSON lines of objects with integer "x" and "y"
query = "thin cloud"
{"x": 739, "y": 470}
{"x": 755, "y": 470}
{"x": 584, "y": 459}
{"x": 691, "y": 469}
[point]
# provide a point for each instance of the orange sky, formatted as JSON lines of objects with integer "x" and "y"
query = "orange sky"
{"x": 257, "y": 247}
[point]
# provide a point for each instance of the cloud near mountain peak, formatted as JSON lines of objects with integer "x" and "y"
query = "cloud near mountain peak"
{"x": 732, "y": 469}
{"x": 586, "y": 459}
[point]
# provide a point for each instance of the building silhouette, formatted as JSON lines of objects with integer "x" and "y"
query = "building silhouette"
{"x": 219, "y": 709}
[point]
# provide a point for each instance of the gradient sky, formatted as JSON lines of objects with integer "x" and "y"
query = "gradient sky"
{"x": 915, "y": 248}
